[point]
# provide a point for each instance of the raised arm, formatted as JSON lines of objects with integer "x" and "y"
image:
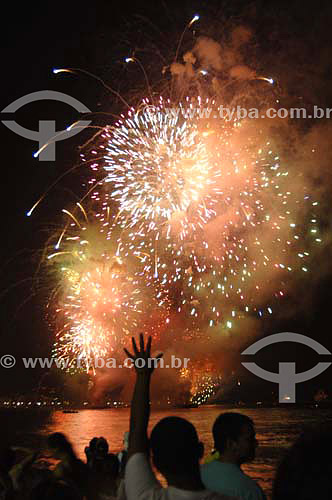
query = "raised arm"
{"x": 140, "y": 406}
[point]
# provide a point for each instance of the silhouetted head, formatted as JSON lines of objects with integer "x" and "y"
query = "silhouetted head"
{"x": 59, "y": 446}
{"x": 101, "y": 447}
{"x": 305, "y": 473}
{"x": 54, "y": 490}
{"x": 234, "y": 436}
{"x": 92, "y": 444}
{"x": 175, "y": 447}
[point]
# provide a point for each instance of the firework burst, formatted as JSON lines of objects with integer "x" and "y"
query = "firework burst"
{"x": 208, "y": 203}
{"x": 160, "y": 173}
{"x": 98, "y": 299}
{"x": 201, "y": 211}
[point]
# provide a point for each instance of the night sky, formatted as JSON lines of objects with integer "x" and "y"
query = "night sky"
{"x": 294, "y": 42}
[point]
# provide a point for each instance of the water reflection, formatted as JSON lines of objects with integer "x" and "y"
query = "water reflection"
{"x": 276, "y": 429}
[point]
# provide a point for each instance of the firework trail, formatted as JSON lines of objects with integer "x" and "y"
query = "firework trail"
{"x": 194, "y": 216}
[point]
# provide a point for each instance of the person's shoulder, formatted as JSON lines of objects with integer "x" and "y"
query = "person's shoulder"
{"x": 80, "y": 462}
{"x": 217, "y": 467}
{"x": 140, "y": 481}
{"x": 112, "y": 457}
{"x": 137, "y": 464}
{"x": 230, "y": 479}
{"x": 214, "y": 474}
{"x": 138, "y": 457}
{"x": 213, "y": 465}
{"x": 80, "y": 466}
{"x": 253, "y": 489}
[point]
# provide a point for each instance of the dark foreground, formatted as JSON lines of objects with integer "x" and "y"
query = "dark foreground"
{"x": 276, "y": 428}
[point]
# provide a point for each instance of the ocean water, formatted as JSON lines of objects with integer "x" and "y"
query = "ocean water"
{"x": 276, "y": 429}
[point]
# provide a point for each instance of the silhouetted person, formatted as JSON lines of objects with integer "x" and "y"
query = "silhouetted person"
{"x": 90, "y": 451}
{"x": 70, "y": 469}
{"x": 305, "y": 473}
{"x": 23, "y": 474}
{"x": 101, "y": 450}
{"x": 104, "y": 471}
{"x": 235, "y": 441}
{"x": 108, "y": 478}
{"x": 176, "y": 449}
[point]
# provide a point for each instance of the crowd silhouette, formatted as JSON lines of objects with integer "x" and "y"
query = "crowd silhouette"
{"x": 175, "y": 451}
